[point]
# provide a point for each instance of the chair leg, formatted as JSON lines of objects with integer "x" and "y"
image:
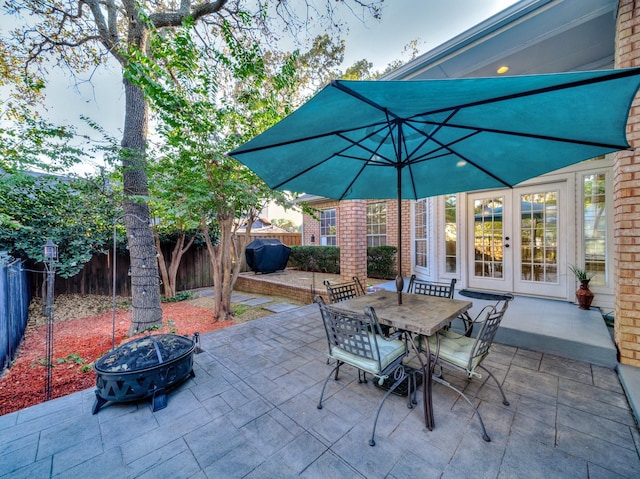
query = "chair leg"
{"x": 413, "y": 391}
{"x": 372, "y": 441}
{"x": 504, "y": 398}
{"x": 335, "y": 369}
{"x": 485, "y": 436}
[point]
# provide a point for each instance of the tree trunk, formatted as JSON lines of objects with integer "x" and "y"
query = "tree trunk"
{"x": 145, "y": 287}
{"x": 162, "y": 265}
{"x": 220, "y": 258}
{"x": 176, "y": 258}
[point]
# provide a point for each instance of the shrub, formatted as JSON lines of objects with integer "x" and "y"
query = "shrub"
{"x": 325, "y": 259}
{"x": 381, "y": 262}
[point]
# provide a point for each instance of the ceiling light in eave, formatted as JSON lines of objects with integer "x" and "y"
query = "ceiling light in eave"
{"x": 502, "y": 70}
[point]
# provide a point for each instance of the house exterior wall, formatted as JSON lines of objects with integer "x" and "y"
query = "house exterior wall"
{"x": 351, "y": 227}
{"x": 311, "y": 226}
{"x": 626, "y": 170}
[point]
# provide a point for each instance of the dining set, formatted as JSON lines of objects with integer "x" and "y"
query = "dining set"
{"x": 380, "y": 333}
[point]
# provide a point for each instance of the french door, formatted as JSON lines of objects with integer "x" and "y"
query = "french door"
{"x": 517, "y": 240}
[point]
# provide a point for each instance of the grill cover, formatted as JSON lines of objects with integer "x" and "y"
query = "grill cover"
{"x": 266, "y": 255}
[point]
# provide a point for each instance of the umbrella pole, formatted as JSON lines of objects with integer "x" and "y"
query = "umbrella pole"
{"x": 399, "y": 278}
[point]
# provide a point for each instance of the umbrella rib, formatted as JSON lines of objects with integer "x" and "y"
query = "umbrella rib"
{"x": 338, "y": 153}
{"x": 340, "y": 86}
{"x": 588, "y": 81}
{"x": 448, "y": 148}
{"x": 346, "y": 190}
{"x": 429, "y": 135}
{"x": 536, "y": 136}
{"x": 241, "y": 151}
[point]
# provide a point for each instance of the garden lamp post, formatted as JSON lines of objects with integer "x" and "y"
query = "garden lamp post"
{"x": 50, "y": 261}
{"x": 313, "y": 269}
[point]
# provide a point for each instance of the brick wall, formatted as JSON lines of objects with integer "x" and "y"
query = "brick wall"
{"x": 352, "y": 239}
{"x": 626, "y": 201}
{"x": 392, "y": 231}
{"x": 311, "y": 226}
{"x": 264, "y": 286}
{"x": 352, "y": 236}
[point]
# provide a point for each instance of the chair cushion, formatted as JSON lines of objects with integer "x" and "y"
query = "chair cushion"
{"x": 390, "y": 351}
{"x": 456, "y": 349}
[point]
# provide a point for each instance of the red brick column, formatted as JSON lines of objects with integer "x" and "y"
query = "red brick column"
{"x": 392, "y": 232}
{"x": 311, "y": 228}
{"x": 626, "y": 201}
{"x": 352, "y": 239}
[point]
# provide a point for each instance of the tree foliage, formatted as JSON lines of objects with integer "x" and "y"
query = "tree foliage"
{"x": 207, "y": 101}
{"x": 38, "y": 203}
{"x": 81, "y": 36}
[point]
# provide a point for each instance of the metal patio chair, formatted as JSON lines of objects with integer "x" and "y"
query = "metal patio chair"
{"x": 431, "y": 288}
{"x": 458, "y": 352}
{"x": 346, "y": 290}
{"x": 485, "y": 296}
{"x": 357, "y": 340}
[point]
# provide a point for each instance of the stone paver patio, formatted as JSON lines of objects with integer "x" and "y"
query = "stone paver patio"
{"x": 251, "y": 412}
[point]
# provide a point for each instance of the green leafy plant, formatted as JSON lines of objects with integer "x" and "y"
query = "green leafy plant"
{"x": 580, "y": 273}
{"x": 72, "y": 358}
{"x": 172, "y": 326}
{"x": 180, "y": 296}
{"x": 44, "y": 362}
{"x": 381, "y": 261}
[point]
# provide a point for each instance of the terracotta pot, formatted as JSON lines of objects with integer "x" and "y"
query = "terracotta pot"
{"x": 584, "y": 295}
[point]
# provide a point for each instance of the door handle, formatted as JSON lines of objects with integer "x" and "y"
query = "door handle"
{"x": 506, "y": 238}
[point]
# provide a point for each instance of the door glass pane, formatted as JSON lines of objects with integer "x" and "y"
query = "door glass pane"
{"x": 450, "y": 231}
{"x": 595, "y": 228}
{"x": 488, "y": 235}
{"x": 420, "y": 233}
{"x": 539, "y": 237}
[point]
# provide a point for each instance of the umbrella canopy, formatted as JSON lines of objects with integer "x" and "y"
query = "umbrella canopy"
{"x": 415, "y": 139}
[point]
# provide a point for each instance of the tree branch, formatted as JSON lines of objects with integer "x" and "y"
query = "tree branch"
{"x": 175, "y": 19}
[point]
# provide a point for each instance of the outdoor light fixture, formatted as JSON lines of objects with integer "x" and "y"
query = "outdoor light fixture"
{"x": 50, "y": 251}
{"x": 502, "y": 70}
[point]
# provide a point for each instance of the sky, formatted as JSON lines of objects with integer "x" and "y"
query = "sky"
{"x": 432, "y": 22}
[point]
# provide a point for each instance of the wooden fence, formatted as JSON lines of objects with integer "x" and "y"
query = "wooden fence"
{"x": 97, "y": 275}
{"x": 14, "y": 304}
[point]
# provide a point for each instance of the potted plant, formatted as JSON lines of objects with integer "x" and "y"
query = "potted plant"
{"x": 584, "y": 296}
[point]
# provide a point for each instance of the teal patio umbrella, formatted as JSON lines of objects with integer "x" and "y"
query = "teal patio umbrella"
{"x": 415, "y": 139}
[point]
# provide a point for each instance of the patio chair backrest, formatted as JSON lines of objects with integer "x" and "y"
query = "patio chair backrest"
{"x": 486, "y": 335}
{"x": 430, "y": 288}
{"x": 342, "y": 291}
{"x": 352, "y": 332}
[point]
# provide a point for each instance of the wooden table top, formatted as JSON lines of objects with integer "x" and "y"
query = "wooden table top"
{"x": 418, "y": 313}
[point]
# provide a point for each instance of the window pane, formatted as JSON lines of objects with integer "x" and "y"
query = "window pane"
{"x": 328, "y": 227}
{"x": 450, "y": 233}
{"x": 539, "y": 236}
{"x": 595, "y": 228}
{"x": 420, "y": 233}
{"x": 377, "y": 224}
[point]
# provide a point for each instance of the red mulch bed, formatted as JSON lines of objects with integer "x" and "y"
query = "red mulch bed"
{"x": 77, "y": 344}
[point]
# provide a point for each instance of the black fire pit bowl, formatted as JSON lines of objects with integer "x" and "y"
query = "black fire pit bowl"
{"x": 142, "y": 368}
